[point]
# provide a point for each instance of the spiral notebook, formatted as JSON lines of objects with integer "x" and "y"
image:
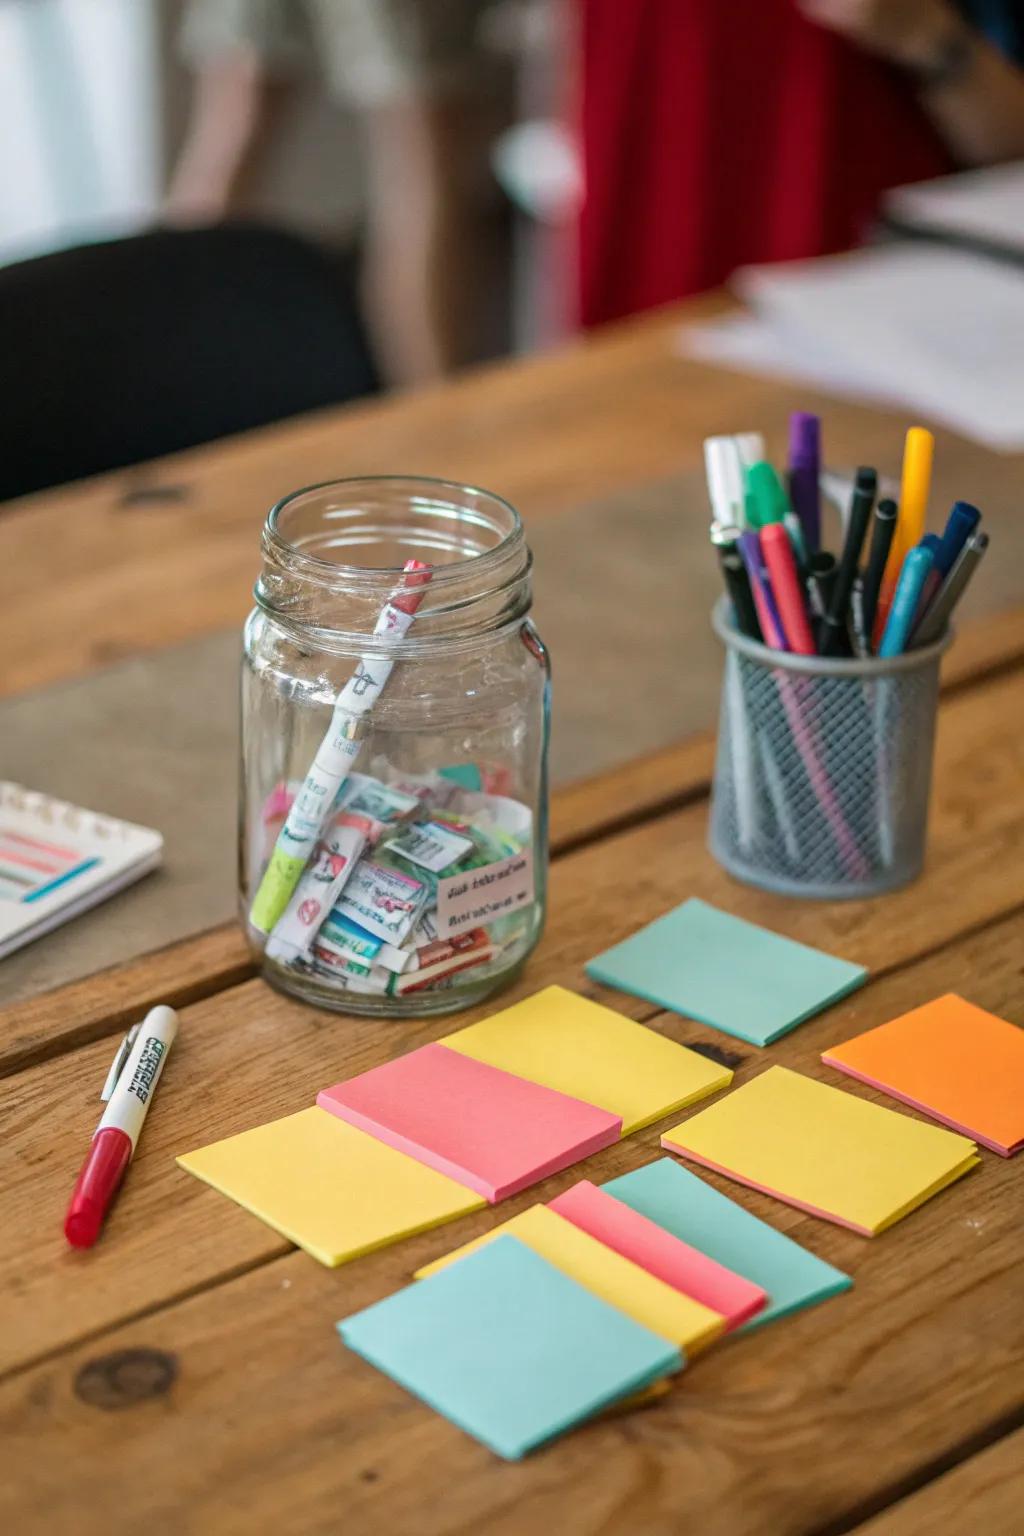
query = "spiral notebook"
{"x": 57, "y": 860}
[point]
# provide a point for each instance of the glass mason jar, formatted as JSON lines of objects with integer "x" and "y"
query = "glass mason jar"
{"x": 395, "y": 718}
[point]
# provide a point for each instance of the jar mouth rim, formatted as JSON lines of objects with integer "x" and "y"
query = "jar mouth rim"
{"x": 449, "y": 571}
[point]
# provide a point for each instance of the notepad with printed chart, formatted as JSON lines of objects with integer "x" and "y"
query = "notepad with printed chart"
{"x": 509, "y": 1347}
{"x": 644, "y": 1242}
{"x": 686, "y": 1323}
{"x": 492, "y": 1131}
{"x": 824, "y": 1150}
{"x": 57, "y": 861}
{"x": 723, "y": 971}
{"x": 329, "y": 1187}
{"x": 684, "y": 1204}
{"x": 951, "y": 1060}
{"x": 579, "y": 1047}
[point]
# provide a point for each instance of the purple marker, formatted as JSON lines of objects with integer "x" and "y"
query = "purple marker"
{"x": 804, "y": 469}
{"x": 761, "y": 590}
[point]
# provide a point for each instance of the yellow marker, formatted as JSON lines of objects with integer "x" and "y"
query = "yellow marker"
{"x": 684, "y": 1322}
{"x": 913, "y": 507}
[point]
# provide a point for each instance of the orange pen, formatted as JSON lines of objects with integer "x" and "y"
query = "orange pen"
{"x": 913, "y": 505}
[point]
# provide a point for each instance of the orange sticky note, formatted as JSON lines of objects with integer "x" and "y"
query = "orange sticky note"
{"x": 951, "y": 1060}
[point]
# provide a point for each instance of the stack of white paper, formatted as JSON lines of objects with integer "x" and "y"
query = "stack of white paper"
{"x": 986, "y": 206}
{"x": 937, "y": 330}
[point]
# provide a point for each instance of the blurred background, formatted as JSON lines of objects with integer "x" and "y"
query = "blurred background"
{"x": 218, "y": 213}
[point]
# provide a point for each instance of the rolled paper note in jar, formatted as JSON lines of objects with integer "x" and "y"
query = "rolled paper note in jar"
{"x": 319, "y": 887}
{"x": 335, "y": 757}
{"x": 384, "y": 901}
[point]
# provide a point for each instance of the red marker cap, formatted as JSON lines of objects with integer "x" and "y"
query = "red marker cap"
{"x": 109, "y": 1155}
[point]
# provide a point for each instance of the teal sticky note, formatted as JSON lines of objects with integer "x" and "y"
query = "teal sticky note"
{"x": 691, "y": 1210}
{"x": 467, "y": 775}
{"x": 726, "y": 972}
{"x": 508, "y": 1347}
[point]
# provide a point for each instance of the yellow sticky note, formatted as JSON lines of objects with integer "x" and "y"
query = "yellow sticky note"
{"x": 824, "y": 1150}
{"x": 618, "y": 1281}
{"x": 329, "y": 1187}
{"x": 578, "y": 1047}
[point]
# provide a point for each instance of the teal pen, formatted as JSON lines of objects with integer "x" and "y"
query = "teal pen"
{"x": 917, "y": 567}
{"x": 796, "y": 538}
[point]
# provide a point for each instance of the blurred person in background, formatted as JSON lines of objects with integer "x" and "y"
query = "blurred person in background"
{"x": 428, "y": 98}
{"x": 717, "y": 133}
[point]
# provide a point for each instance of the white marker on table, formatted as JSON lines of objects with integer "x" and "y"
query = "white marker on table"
{"x": 116, "y": 1135}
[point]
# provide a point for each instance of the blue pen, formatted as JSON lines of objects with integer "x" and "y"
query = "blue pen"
{"x": 917, "y": 567}
{"x": 961, "y": 523}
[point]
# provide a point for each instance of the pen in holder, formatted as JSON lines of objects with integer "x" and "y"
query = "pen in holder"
{"x": 823, "y": 768}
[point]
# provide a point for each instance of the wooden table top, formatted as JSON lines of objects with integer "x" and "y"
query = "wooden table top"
{"x": 185, "y": 1373}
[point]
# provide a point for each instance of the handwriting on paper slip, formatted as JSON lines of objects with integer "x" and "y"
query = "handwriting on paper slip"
{"x": 480, "y": 895}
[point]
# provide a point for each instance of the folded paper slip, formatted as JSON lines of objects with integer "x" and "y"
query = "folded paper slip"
{"x": 684, "y": 1322}
{"x": 491, "y": 1131}
{"x": 951, "y": 1060}
{"x": 508, "y": 1347}
{"x": 328, "y": 1187}
{"x": 642, "y": 1241}
{"x": 579, "y": 1047}
{"x": 824, "y": 1150}
{"x": 723, "y": 971}
{"x": 688, "y": 1207}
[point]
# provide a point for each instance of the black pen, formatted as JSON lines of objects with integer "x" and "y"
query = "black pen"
{"x": 884, "y": 526}
{"x": 737, "y": 582}
{"x": 821, "y": 578}
{"x": 832, "y": 635}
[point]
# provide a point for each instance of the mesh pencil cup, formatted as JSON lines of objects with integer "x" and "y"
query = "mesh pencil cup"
{"x": 823, "y": 767}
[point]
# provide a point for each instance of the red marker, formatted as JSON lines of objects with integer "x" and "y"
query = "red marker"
{"x": 789, "y": 598}
{"x": 118, "y": 1130}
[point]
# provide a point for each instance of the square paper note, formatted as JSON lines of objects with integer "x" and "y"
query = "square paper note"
{"x": 689, "y": 1208}
{"x": 686, "y": 1323}
{"x": 951, "y": 1060}
{"x": 491, "y": 1131}
{"x": 723, "y": 971}
{"x": 328, "y": 1187}
{"x": 577, "y": 1046}
{"x": 508, "y": 1347}
{"x": 686, "y": 1269}
{"x": 823, "y": 1150}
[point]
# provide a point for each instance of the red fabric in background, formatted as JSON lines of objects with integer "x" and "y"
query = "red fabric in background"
{"x": 721, "y": 132}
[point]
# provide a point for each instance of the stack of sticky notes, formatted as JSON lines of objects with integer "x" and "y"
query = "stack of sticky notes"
{"x": 823, "y": 1150}
{"x": 951, "y": 1060}
{"x": 509, "y": 1347}
{"x": 691, "y": 1210}
{"x": 475, "y": 1117}
{"x": 726, "y": 972}
{"x": 568, "y": 1307}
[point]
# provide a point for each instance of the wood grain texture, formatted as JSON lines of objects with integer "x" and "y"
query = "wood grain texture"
{"x": 246, "y": 1055}
{"x": 182, "y": 973}
{"x": 581, "y": 813}
{"x": 614, "y": 410}
{"x": 984, "y": 1494}
{"x": 248, "y": 1415}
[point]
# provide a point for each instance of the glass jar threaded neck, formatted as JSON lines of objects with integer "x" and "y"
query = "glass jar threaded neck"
{"x": 333, "y": 555}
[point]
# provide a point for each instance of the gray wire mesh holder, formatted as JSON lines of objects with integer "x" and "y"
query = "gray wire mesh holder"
{"x": 823, "y": 767}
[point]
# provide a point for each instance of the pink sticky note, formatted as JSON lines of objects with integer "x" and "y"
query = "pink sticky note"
{"x": 638, "y": 1238}
{"x": 491, "y": 1131}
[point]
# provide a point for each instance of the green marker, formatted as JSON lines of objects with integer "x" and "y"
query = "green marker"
{"x": 767, "y": 501}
